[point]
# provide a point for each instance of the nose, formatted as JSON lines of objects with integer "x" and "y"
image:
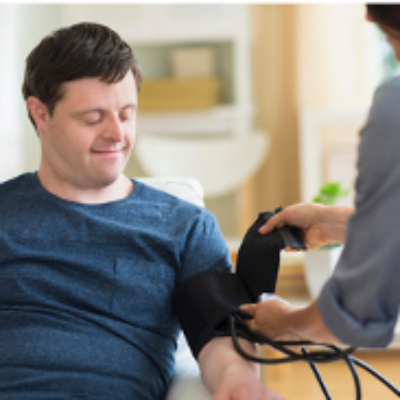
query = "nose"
{"x": 114, "y": 128}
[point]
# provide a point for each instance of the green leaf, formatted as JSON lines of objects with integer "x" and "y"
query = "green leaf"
{"x": 330, "y": 193}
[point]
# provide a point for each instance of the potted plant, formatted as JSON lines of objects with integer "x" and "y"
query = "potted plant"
{"x": 320, "y": 263}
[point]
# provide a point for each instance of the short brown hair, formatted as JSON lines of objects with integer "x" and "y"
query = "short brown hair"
{"x": 79, "y": 51}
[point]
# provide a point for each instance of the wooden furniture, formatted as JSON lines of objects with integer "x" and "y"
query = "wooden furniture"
{"x": 158, "y": 31}
{"x": 295, "y": 381}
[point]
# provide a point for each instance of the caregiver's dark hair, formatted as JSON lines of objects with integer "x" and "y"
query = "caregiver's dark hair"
{"x": 79, "y": 51}
{"x": 385, "y": 14}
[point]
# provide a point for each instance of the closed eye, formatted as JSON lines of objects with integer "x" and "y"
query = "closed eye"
{"x": 127, "y": 114}
{"x": 93, "y": 122}
{"x": 91, "y": 118}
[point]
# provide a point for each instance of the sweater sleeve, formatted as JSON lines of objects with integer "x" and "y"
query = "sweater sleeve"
{"x": 360, "y": 303}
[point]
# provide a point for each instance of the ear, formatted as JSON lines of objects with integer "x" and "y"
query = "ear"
{"x": 38, "y": 112}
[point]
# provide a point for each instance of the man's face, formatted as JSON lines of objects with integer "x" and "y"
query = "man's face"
{"x": 87, "y": 141}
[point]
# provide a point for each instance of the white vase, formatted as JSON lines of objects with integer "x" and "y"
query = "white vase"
{"x": 319, "y": 265}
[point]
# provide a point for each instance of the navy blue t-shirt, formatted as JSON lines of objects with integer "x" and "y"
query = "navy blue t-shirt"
{"x": 85, "y": 290}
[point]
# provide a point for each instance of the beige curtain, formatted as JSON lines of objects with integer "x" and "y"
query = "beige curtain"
{"x": 303, "y": 56}
{"x": 274, "y": 86}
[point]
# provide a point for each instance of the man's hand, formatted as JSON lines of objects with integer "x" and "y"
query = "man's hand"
{"x": 239, "y": 386}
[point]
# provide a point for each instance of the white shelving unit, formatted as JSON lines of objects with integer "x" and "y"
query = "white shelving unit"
{"x": 11, "y": 133}
{"x": 153, "y": 30}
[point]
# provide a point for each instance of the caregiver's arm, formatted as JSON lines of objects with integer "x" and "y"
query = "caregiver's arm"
{"x": 319, "y": 224}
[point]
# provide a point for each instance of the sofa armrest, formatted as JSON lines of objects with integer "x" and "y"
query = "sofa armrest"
{"x": 186, "y": 383}
{"x": 187, "y": 387}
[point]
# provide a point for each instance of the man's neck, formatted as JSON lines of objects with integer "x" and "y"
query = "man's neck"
{"x": 117, "y": 190}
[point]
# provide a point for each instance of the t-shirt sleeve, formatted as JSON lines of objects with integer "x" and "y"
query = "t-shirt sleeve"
{"x": 205, "y": 247}
{"x": 360, "y": 303}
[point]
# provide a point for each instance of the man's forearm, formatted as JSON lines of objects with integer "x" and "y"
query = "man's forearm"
{"x": 218, "y": 359}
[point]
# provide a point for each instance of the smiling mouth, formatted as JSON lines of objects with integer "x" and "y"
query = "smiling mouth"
{"x": 108, "y": 151}
{"x": 117, "y": 150}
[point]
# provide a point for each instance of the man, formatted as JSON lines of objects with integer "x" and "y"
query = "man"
{"x": 359, "y": 305}
{"x": 89, "y": 259}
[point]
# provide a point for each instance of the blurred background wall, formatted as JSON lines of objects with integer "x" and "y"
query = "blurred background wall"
{"x": 278, "y": 62}
{"x": 306, "y": 57}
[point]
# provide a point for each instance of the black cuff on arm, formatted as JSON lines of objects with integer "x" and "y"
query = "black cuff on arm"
{"x": 203, "y": 303}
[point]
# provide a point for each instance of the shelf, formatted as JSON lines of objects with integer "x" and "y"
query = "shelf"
{"x": 148, "y": 23}
{"x": 155, "y": 32}
{"x": 217, "y": 120}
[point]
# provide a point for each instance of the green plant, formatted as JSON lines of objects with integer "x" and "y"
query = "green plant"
{"x": 330, "y": 193}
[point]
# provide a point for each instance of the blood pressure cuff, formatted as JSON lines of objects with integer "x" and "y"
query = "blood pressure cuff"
{"x": 205, "y": 301}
